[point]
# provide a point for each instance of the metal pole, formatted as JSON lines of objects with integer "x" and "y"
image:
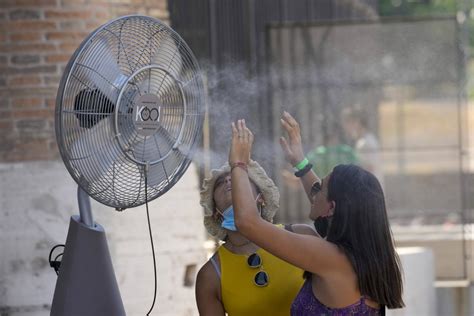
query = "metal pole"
{"x": 84, "y": 207}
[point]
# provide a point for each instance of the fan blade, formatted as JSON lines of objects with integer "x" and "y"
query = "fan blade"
{"x": 95, "y": 150}
{"x": 106, "y": 74}
{"x": 168, "y": 56}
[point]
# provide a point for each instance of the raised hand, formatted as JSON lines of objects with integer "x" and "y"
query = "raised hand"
{"x": 292, "y": 147}
{"x": 241, "y": 145}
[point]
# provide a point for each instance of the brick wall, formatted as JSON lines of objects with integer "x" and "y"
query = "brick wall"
{"x": 37, "y": 38}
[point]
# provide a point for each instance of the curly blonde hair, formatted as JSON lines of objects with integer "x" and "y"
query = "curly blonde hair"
{"x": 258, "y": 176}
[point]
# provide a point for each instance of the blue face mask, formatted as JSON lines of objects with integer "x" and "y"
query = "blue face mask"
{"x": 228, "y": 221}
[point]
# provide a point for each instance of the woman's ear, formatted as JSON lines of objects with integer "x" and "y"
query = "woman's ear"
{"x": 330, "y": 211}
{"x": 332, "y": 208}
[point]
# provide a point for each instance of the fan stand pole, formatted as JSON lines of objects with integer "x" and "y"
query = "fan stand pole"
{"x": 86, "y": 283}
{"x": 84, "y": 207}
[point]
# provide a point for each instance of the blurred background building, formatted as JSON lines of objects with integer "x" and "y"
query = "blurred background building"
{"x": 403, "y": 65}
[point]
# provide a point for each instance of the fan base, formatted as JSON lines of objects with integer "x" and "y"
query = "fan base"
{"x": 86, "y": 283}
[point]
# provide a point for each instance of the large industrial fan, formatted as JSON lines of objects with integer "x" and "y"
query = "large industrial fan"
{"x": 129, "y": 113}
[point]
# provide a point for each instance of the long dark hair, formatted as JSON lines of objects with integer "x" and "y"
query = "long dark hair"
{"x": 360, "y": 228}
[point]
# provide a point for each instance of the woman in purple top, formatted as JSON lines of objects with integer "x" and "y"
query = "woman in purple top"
{"x": 353, "y": 269}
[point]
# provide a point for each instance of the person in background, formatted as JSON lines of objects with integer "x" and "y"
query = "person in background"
{"x": 366, "y": 145}
{"x": 354, "y": 270}
{"x": 325, "y": 157}
{"x": 241, "y": 278}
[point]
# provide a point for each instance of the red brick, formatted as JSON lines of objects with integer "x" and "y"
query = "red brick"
{"x": 33, "y": 129}
{"x": 4, "y": 103}
{"x": 114, "y": 3}
{"x": 71, "y": 25}
{"x": 28, "y": 25}
{"x": 54, "y": 59}
{"x": 19, "y": 103}
{"x": 24, "y": 60}
{"x": 6, "y": 125}
{"x": 30, "y": 70}
{"x": 69, "y": 47}
{"x": 126, "y": 10}
{"x": 158, "y": 4}
{"x": 23, "y": 3}
{"x": 66, "y": 3}
{"x": 31, "y": 80}
{"x": 50, "y": 103}
{"x": 51, "y": 80}
{"x": 5, "y": 115}
{"x": 102, "y": 15}
{"x": 25, "y": 14}
{"x": 34, "y": 92}
{"x": 66, "y": 36}
{"x": 68, "y": 14}
{"x": 26, "y": 37}
{"x": 92, "y": 25}
{"x": 30, "y": 48}
{"x": 30, "y": 114}
{"x": 158, "y": 13}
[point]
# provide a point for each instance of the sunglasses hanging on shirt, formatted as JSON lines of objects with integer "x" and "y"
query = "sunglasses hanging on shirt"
{"x": 255, "y": 262}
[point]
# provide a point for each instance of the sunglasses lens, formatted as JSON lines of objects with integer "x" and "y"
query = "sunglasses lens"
{"x": 254, "y": 261}
{"x": 261, "y": 278}
{"x": 316, "y": 188}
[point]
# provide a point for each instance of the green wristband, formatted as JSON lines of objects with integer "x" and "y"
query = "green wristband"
{"x": 300, "y": 165}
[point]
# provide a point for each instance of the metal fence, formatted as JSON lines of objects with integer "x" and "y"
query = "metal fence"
{"x": 407, "y": 78}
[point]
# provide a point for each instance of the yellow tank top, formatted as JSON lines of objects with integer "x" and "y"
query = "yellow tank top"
{"x": 241, "y": 296}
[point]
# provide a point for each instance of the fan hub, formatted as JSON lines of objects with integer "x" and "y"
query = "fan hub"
{"x": 146, "y": 114}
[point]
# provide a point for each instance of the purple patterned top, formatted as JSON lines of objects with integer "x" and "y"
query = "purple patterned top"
{"x": 306, "y": 304}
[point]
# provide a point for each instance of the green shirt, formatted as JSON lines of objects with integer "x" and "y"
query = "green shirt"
{"x": 325, "y": 158}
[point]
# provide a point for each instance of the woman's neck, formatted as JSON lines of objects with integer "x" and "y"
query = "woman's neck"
{"x": 238, "y": 244}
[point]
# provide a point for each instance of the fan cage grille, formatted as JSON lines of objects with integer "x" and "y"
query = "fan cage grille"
{"x": 129, "y": 57}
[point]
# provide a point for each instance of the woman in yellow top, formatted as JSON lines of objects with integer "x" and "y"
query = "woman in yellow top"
{"x": 241, "y": 278}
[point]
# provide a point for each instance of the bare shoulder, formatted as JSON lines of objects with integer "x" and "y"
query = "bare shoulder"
{"x": 207, "y": 276}
{"x": 304, "y": 229}
{"x": 208, "y": 291}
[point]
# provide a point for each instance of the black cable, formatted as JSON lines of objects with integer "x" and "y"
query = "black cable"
{"x": 151, "y": 239}
{"x": 55, "y": 264}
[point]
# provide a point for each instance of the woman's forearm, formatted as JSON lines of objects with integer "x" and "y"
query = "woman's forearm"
{"x": 308, "y": 180}
{"x": 245, "y": 209}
